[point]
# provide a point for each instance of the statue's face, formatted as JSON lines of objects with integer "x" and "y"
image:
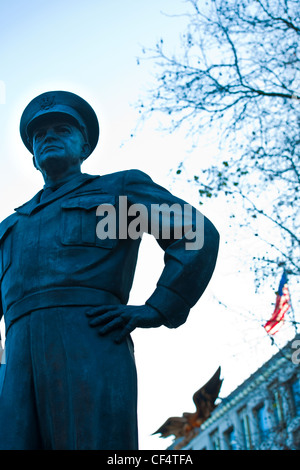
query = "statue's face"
{"x": 57, "y": 146}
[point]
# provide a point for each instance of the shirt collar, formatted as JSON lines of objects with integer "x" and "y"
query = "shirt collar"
{"x": 65, "y": 188}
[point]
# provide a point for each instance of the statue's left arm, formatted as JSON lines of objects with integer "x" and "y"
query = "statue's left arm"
{"x": 190, "y": 242}
{"x": 189, "y": 260}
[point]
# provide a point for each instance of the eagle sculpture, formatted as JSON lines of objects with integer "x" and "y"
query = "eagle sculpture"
{"x": 186, "y": 426}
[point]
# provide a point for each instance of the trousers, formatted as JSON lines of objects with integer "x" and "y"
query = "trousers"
{"x": 64, "y": 387}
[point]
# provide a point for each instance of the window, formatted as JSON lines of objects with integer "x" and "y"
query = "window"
{"x": 262, "y": 422}
{"x": 295, "y": 386}
{"x": 215, "y": 440}
{"x": 244, "y": 419}
{"x": 230, "y": 439}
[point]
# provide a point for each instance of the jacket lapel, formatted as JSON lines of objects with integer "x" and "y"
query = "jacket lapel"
{"x": 35, "y": 204}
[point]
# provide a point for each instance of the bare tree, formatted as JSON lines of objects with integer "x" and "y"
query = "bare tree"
{"x": 237, "y": 73}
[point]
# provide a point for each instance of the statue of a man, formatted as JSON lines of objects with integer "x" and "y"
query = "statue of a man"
{"x": 66, "y": 271}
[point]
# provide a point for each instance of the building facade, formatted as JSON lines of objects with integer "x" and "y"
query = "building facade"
{"x": 262, "y": 413}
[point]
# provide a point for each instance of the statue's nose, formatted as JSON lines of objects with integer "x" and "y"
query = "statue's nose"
{"x": 50, "y": 134}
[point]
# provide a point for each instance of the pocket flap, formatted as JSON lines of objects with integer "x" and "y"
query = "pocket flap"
{"x": 6, "y": 226}
{"x": 88, "y": 202}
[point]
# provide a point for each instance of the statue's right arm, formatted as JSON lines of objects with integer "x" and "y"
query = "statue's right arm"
{"x": 1, "y": 315}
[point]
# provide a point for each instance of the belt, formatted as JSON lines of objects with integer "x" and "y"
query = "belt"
{"x": 58, "y": 297}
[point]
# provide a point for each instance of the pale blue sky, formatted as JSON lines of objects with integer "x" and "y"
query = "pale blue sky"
{"x": 89, "y": 48}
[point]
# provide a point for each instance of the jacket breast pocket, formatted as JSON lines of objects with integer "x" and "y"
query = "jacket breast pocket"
{"x": 79, "y": 220}
{"x": 6, "y": 241}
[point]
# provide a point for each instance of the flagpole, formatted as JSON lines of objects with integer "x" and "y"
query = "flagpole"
{"x": 292, "y": 309}
{"x": 293, "y": 316}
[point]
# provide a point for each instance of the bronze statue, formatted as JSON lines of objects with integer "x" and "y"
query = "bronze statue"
{"x": 68, "y": 258}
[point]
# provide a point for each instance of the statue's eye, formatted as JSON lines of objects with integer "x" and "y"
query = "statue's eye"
{"x": 38, "y": 135}
{"x": 63, "y": 129}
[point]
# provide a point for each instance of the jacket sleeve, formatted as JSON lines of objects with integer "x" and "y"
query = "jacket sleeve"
{"x": 1, "y": 315}
{"x": 190, "y": 242}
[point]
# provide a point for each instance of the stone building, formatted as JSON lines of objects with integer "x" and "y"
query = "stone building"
{"x": 262, "y": 413}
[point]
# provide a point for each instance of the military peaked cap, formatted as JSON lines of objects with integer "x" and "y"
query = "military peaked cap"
{"x": 59, "y": 103}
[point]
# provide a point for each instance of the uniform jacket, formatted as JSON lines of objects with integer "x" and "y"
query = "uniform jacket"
{"x": 51, "y": 255}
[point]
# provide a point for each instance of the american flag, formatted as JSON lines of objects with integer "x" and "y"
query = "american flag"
{"x": 281, "y": 307}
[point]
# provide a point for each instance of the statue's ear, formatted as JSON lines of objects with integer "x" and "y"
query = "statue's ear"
{"x": 85, "y": 151}
{"x": 34, "y": 162}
